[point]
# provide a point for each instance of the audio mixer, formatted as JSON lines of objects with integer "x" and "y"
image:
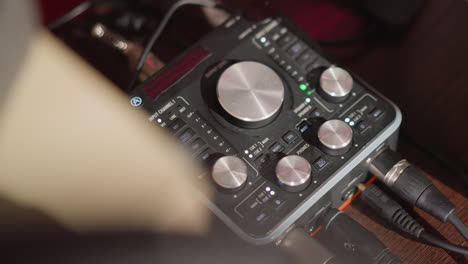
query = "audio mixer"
{"x": 282, "y": 130}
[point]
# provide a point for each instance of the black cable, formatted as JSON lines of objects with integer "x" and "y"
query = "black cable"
{"x": 81, "y": 9}
{"x": 459, "y": 225}
{"x": 394, "y": 213}
{"x": 75, "y": 12}
{"x": 159, "y": 29}
{"x": 72, "y": 14}
{"x": 443, "y": 244}
{"x": 350, "y": 240}
{"x": 410, "y": 183}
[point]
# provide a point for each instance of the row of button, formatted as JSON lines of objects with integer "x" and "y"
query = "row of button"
{"x": 211, "y": 132}
{"x": 187, "y": 134}
{"x": 363, "y": 125}
{"x": 284, "y": 39}
{"x": 297, "y": 49}
{"x": 196, "y": 145}
{"x": 261, "y": 206}
{"x": 276, "y": 147}
{"x": 289, "y": 138}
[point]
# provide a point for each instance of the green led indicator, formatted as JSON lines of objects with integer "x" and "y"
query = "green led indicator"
{"x": 303, "y": 87}
{"x": 309, "y": 92}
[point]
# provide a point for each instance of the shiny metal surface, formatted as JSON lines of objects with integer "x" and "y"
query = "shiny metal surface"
{"x": 335, "y": 135}
{"x": 394, "y": 173}
{"x": 335, "y": 84}
{"x": 293, "y": 173}
{"x": 229, "y": 172}
{"x": 250, "y": 91}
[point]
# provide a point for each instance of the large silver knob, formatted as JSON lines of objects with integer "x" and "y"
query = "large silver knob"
{"x": 293, "y": 173}
{"x": 229, "y": 173}
{"x": 335, "y": 137}
{"x": 251, "y": 93}
{"x": 335, "y": 84}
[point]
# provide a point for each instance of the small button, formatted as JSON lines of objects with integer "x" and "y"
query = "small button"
{"x": 276, "y": 148}
{"x": 290, "y": 137}
{"x": 303, "y": 127}
{"x": 286, "y": 39}
{"x": 205, "y": 155}
{"x": 362, "y": 126}
{"x": 197, "y": 144}
{"x": 186, "y": 135}
{"x": 276, "y": 202}
{"x": 320, "y": 163}
{"x": 261, "y": 216}
{"x": 305, "y": 57}
{"x": 376, "y": 113}
{"x": 262, "y": 161}
{"x": 316, "y": 113}
{"x": 177, "y": 125}
{"x": 181, "y": 108}
{"x": 296, "y": 48}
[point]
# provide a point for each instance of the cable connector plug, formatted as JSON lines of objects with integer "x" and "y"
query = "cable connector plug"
{"x": 394, "y": 213}
{"x": 411, "y": 184}
{"x": 389, "y": 209}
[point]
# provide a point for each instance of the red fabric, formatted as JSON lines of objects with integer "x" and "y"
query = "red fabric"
{"x": 322, "y": 19}
{"x": 52, "y": 9}
{"x": 326, "y": 20}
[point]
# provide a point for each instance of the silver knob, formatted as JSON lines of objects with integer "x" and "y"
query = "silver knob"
{"x": 335, "y": 137}
{"x": 251, "y": 93}
{"x": 293, "y": 173}
{"x": 229, "y": 173}
{"x": 335, "y": 84}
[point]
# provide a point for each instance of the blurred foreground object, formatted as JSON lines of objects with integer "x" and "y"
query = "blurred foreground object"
{"x": 71, "y": 146}
{"x": 17, "y": 19}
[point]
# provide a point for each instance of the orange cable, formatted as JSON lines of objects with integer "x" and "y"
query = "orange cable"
{"x": 347, "y": 202}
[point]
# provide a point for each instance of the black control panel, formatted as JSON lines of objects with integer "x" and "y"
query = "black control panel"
{"x": 276, "y": 123}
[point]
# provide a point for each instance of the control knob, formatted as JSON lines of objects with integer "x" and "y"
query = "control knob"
{"x": 335, "y": 137}
{"x": 229, "y": 173}
{"x": 293, "y": 173}
{"x": 335, "y": 84}
{"x": 250, "y": 93}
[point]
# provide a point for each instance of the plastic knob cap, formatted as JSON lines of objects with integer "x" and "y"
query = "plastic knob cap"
{"x": 229, "y": 173}
{"x": 335, "y": 137}
{"x": 250, "y": 93}
{"x": 335, "y": 84}
{"x": 293, "y": 173}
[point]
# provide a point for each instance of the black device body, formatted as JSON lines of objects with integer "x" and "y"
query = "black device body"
{"x": 182, "y": 99}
